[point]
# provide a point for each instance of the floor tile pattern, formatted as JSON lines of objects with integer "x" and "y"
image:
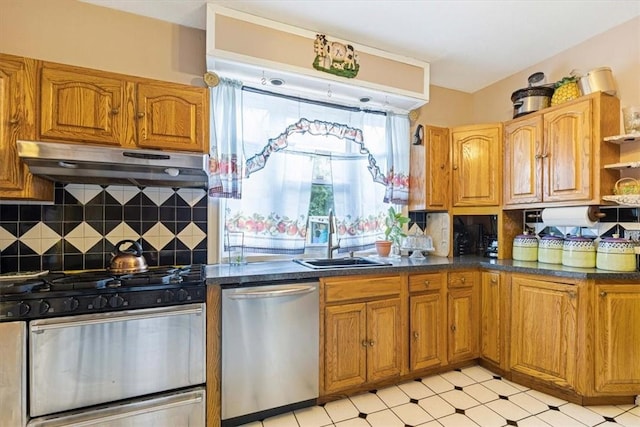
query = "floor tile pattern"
{"x": 471, "y": 397}
{"x": 81, "y": 228}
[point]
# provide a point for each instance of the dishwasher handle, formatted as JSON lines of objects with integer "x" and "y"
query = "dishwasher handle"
{"x": 272, "y": 291}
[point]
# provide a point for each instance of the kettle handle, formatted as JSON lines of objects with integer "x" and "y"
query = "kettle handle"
{"x": 137, "y": 247}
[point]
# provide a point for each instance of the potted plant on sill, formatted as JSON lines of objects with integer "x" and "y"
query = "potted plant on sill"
{"x": 393, "y": 232}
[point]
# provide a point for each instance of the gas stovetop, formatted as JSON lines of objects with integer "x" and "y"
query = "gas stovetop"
{"x": 56, "y": 294}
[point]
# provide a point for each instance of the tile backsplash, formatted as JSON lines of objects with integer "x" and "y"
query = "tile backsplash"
{"x": 81, "y": 228}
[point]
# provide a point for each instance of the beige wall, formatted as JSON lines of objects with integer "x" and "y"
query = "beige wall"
{"x": 76, "y": 33}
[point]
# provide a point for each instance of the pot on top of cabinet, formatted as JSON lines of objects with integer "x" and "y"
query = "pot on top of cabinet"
{"x": 578, "y": 251}
{"x": 550, "y": 249}
{"x": 616, "y": 254}
{"x": 525, "y": 247}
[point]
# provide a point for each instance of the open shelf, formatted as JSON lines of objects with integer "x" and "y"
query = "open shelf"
{"x": 623, "y": 165}
{"x": 623, "y": 139}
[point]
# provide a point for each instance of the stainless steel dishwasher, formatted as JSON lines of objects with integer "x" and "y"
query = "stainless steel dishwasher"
{"x": 270, "y": 344}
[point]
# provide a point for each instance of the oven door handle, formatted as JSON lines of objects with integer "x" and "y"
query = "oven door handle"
{"x": 269, "y": 292}
{"x": 40, "y": 326}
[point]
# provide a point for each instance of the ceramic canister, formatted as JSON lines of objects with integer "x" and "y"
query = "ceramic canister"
{"x": 525, "y": 247}
{"x": 579, "y": 252}
{"x": 550, "y": 249}
{"x": 616, "y": 254}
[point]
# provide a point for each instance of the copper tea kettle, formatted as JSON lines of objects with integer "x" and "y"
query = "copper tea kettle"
{"x": 129, "y": 260}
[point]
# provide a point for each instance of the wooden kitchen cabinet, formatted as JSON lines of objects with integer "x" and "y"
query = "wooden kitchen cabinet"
{"x": 17, "y": 121}
{"x": 544, "y": 330}
{"x": 492, "y": 336}
{"x": 430, "y": 184}
{"x": 427, "y": 321}
{"x": 463, "y": 316}
{"x": 90, "y": 106}
{"x": 556, "y": 155}
{"x": 477, "y": 165}
{"x": 617, "y": 338}
{"x": 362, "y": 331}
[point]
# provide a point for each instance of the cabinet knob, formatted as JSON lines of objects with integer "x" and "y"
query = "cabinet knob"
{"x": 14, "y": 121}
{"x": 442, "y": 166}
{"x": 416, "y": 335}
{"x": 115, "y": 111}
{"x": 364, "y": 343}
{"x": 603, "y": 294}
{"x": 453, "y": 328}
{"x": 140, "y": 115}
{"x": 455, "y": 167}
{"x": 538, "y": 156}
{"x": 494, "y": 281}
{"x": 427, "y": 283}
{"x": 545, "y": 155}
{"x": 372, "y": 343}
{"x": 462, "y": 279}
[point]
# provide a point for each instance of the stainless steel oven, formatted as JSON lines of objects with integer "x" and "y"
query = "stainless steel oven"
{"x": 109, "y": 365}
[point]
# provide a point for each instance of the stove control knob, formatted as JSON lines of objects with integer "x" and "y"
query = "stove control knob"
{"x": 183, "y": 295}
{"x": 168, "y": 296}
{"x": 70, "y": 304}
{"x": 44, "y": 307}
{"x": 99, "y": 302}
{"x": 116, "y": 301}
{"x": 23, "y": 308}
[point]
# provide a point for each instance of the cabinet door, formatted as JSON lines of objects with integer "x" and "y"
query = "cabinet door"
{"x": 430, "y": 185}
{"x": 617, "y": 338}
{"x": 170, "y": 117}
{"x": 523, "y": 161}
{"x": 345, "y": 346}
{"x": 490, "y": 317}
{"x": 477, "y": 160}
{"x": 427, "y": 336}
{"x": 463, "y": 329}
{"x": 17, "y": 107}
{"x": 79, "y": 106}
{"x": 543, "y": 330}
{"x": 568, "y": 153}
{"x": 385, "y": 343}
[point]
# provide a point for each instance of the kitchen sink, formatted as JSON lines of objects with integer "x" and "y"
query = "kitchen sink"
{"x": 353, "y": 262}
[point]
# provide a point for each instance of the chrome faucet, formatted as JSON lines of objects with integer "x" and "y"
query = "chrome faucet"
{"x": 332, "y": 231}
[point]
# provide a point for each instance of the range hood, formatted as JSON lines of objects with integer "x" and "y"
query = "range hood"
{"x": 85, "y": 164}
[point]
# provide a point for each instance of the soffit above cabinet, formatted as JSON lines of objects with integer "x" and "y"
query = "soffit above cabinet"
{"x": 256, "y": 50}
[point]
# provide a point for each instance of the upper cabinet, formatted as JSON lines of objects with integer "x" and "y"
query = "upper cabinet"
{"x": 477, "y": 165}
{"x": 17, "y": 111}
{"x": 430, "y": 166}
{"x": 88, "y": 106}
{"x": 556, "y": 155}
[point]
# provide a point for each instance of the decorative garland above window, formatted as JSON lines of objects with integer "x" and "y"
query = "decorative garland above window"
{"x": 335, "y": 57}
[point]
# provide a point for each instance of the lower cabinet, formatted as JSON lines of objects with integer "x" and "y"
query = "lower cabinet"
{"x": 617, "y": 338}
{"x": 362, "y": 340}
{"x": 463, "y": 316}
{"x": 543, "y": 329}
{"x": 491, "y": 317}
{"x": 427, "y": 321}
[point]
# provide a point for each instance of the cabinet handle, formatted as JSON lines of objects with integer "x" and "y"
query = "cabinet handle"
{"x": 115, "y": 111}
{"x": 416, "y": 335}
{"x": 494, "y": 281}
{"x": 603, "y": 294}
{"x": 455, "y": 168}
{"x": 462, "y": 279}
{"x": 140, "y": 115}
{"x": 545, "y": 155}
{"x": 364, "y": 343}
{"x": 538, "y": 156}
{"x": 453, "y": 328}
{"x": 14, "y": 121}
{"x": 427, "y": 283}
{"x": 442, "y": 166}
{"x": 372, "y": 343}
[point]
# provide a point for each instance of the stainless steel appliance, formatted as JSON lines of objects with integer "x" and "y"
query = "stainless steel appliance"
{"x": 270, "y": 345}
{"x": 95, "y": 348}
{"x": 111, "y": 165}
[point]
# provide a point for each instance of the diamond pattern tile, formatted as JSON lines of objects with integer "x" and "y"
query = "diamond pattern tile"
{"x": 121, "y": 232}
{"x": 122, "y": 193}
{"x": 83, "y": 192}
{"x": 6, "y": 239}
{"x": 158, "y": 195}
{"x": 40, "y": 238}
{"x": 158, "y": 236}
{"x": 83, "y": 237}
{"x": 191, "y": 195}
{"x": 384, "y": 408}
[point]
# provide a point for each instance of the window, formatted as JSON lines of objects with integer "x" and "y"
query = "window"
{"x": 304, "y": 159}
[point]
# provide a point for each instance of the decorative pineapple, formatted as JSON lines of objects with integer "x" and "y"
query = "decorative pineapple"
{"x": 566, "y": 90}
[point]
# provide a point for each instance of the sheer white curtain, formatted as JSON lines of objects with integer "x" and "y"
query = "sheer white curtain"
{"x": 398, "y": 146}
{"x": 226, "y": 164}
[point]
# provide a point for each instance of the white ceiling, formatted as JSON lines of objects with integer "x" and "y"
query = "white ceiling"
{"x": 470, "y": 44}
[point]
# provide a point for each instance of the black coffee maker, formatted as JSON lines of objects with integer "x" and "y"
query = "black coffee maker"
{"x": 461, "y": 239}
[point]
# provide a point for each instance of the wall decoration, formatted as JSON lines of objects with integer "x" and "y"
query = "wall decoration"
{"x": 335, "y": 57}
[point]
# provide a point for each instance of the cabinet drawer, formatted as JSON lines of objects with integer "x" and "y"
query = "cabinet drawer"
{"x": 461, "y": 279}
{"x": 425, "y": 282}
{"x": 350, "y": 288}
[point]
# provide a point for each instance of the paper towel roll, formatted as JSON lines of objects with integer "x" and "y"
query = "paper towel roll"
{"x": 580, "y": 216}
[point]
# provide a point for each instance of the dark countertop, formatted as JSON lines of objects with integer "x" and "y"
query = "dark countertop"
{"x": 260, "y": 272}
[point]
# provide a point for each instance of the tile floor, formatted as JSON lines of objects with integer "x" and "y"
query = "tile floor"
{"x": 471, "y": 396}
